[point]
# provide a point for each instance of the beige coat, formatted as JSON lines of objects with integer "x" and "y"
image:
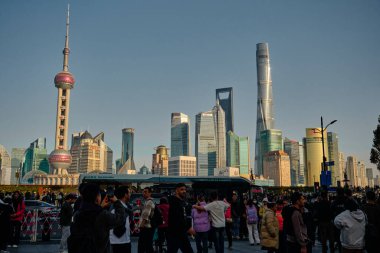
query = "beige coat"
{"x": 269, "y": 230}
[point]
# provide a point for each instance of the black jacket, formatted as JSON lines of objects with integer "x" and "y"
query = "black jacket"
{"x": 178, "y": 223}
{"x": 5, "y": 221}
{"x": 100, "y": 221}
{"x": 66, "y": 214}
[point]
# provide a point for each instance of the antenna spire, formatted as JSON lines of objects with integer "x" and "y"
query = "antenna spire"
{"x": 66, "y": 50}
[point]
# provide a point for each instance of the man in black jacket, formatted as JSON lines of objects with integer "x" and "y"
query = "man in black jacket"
{"x": 179, "y": 226}
{"x": 372, "y": 210}
{"x": 65, "y": 217}
{"x": 93, "y": 222}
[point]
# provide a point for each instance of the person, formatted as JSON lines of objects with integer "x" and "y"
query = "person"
{"x": 296, "y": 230}
{"x": 163, "y": 228}
{"x": 229, "y": 224}
{"x": 372, "y": 210}
{"x": 5, "y": 223}
{"x": 201, "y": 226}
{"x": 236, "y": 212}
{"x": 337, "y": 207}
{"x": 252, "y": 220}
{"x": 120, "y": 236}
{"x": 91, "y": 225}
{"x": 65, "y": 217}
{"x": 217, "y": 209}
{"x": 179, "y": 225}
{"x": 325, "y": 227}
{"x": 352, "y": 224}
{"x": 145, "y": 242}
{"x": 16, "y": 218}
{"x": 280, "y": 219}
{"x": 270, "y": 229}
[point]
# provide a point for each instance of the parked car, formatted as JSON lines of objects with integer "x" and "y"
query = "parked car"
{"x": 44, "y": 208}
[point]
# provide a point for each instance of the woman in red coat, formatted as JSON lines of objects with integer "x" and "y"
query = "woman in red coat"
{"x": 16, "y": 218}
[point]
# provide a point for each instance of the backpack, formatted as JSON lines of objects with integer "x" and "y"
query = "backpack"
{"x": 82, "y": 234}
{"x": 157, "y": 218}
{"x": 252, "y": 215}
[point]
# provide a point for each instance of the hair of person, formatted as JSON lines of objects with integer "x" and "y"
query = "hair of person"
{"x": 270, "y": 205}
{"x": 180, "y": 185}
{"x": 370, "y": 195}
{"x": 148, "y": 189}
{"x": 213, "y": 196}
{"x": 80, "y": 187}
{"x": 295, "y": 197}
{"x": 163, "y": 200}
{"x": 201, "y": 197}
{"x": 250, "y": 202}
{"x": 90, "y": 192}
{"x": 351, "y": 205}
{"x": 348, "y": 192}
{"x": 340, "y": 192}
{"x": 324, "y": 194}
{"x": 121, "y": 191}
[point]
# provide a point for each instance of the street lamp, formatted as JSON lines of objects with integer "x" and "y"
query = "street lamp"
{"x": 323, "y": 129}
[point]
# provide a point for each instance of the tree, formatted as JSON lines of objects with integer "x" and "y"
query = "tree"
{"x": 375, "y": 151}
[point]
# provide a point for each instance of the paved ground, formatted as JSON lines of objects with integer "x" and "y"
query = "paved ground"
{"x": 238, "y": 246}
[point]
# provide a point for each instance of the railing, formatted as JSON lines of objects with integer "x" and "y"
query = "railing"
{"x": 40, "y": 226}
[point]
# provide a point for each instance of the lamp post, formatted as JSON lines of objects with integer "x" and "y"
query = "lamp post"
{"x": 323, "y": 129}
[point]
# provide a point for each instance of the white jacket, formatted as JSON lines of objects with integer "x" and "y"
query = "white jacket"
{"x": 352, "y": 228}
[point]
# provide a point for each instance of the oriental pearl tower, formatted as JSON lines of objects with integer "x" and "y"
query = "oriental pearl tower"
{"x": 60, "y": 158}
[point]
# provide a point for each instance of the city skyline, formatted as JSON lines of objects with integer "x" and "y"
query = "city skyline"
{"x": 307, "y": 87}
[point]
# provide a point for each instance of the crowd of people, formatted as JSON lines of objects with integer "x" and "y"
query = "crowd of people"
{"x": 101, "y": 221}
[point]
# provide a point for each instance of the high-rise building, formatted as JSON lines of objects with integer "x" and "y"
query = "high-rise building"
{"x": 60, "y": 158}
{"x": 291, "y": 147}
{"x": 144, "y": 170}
{"x": 342, "y": 167}
{"x": 369, "y": 174}
{"x": 90, "y": 154}
{"x": 180, "y": 134}
{"x": 270, "y": 140}
{"x": 5, "y": 166}
{"x": 301, "y": 172}
{"x": 265, "y": 118}
{"x": 127, "y": 161}
{"x": 333, "y": 150}
{"x": 160, "y": 161}
{"x": 224, "y": 97}
{"x": 205, "y": 144}
{"x": 352, "y": 170}
{"x": 36, "y": 158}
{"x": 17, "y": 155}
{"x": 314, "y": 154}
{"x": 183, "y": 166}
{"x": 220, "y": 133}
{"x": 276, "y": 166}
{"x": 238, "y": 153}
{"x": 362, "y": 178}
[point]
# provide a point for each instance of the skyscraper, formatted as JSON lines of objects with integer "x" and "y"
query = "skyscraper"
{"x": 17, "y": 155}
{"x": 291, "y": 147}
{"x": 270, "y": 140}
{"x": 276, "y": 166}
{"x": 127, "y": 162}
{"x": 301, "y": 172}
{"x": 180, "y": 134}
{"x": 238, "y": 153}
{"x": 244, "y": 156}
{"x": 352, "y": 171}
{"x": 265, "y": 118}
{"x": 60, "y": 158}
{"x": 225, "y": 98}
{"x": 160, "y": 161}
{"x": 205, "y": 144}
{"x": 333, "y": 150}
{"x": 313, "y": 154}
{"x": 35, "y": 158}
{"x": 220, "y": 133}
{"x": 183, "y": 166}
{"x": 5, "y": 166}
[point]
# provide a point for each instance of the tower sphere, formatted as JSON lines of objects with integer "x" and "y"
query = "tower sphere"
{"x": 64, "y": 80}
{"x": 60, "y": 158}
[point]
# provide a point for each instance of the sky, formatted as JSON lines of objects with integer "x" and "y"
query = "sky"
{"x": 136, "y": 62}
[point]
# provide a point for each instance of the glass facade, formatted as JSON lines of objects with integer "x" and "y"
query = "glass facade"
{"x": 333, "y": 150}
{"x": 220, "y": 134}
{"x": 35, "y": 157}
{"x": 238, "y": 153}
{"x": 270, "y": 140}
{"x": 244, "y": 155}
{"x": 180, "y": 135}
{"x": 205, "y": 144}
{"x": 127, "y": 161}
{"x": 225, "y": 98}
{"x": 292, "y": 149}
{"x": 265, "y": 118}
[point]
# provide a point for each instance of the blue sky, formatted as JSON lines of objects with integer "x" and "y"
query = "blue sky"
{"x": 135, "y": 62}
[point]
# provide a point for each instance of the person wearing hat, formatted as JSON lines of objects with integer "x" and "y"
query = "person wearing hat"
{"x": 66, "y": 215}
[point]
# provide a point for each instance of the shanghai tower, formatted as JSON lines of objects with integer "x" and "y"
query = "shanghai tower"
{"x": 265, "y": 119}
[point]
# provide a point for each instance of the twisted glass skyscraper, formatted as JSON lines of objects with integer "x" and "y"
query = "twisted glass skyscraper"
{"x": 265, "y": 119}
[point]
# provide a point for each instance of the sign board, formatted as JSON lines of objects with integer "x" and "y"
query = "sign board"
{"x": 227, "y": 171}
{"x": 325, "y": 178}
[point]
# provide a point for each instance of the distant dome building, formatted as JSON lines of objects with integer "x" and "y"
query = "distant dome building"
{"x": 144, "y": 170}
